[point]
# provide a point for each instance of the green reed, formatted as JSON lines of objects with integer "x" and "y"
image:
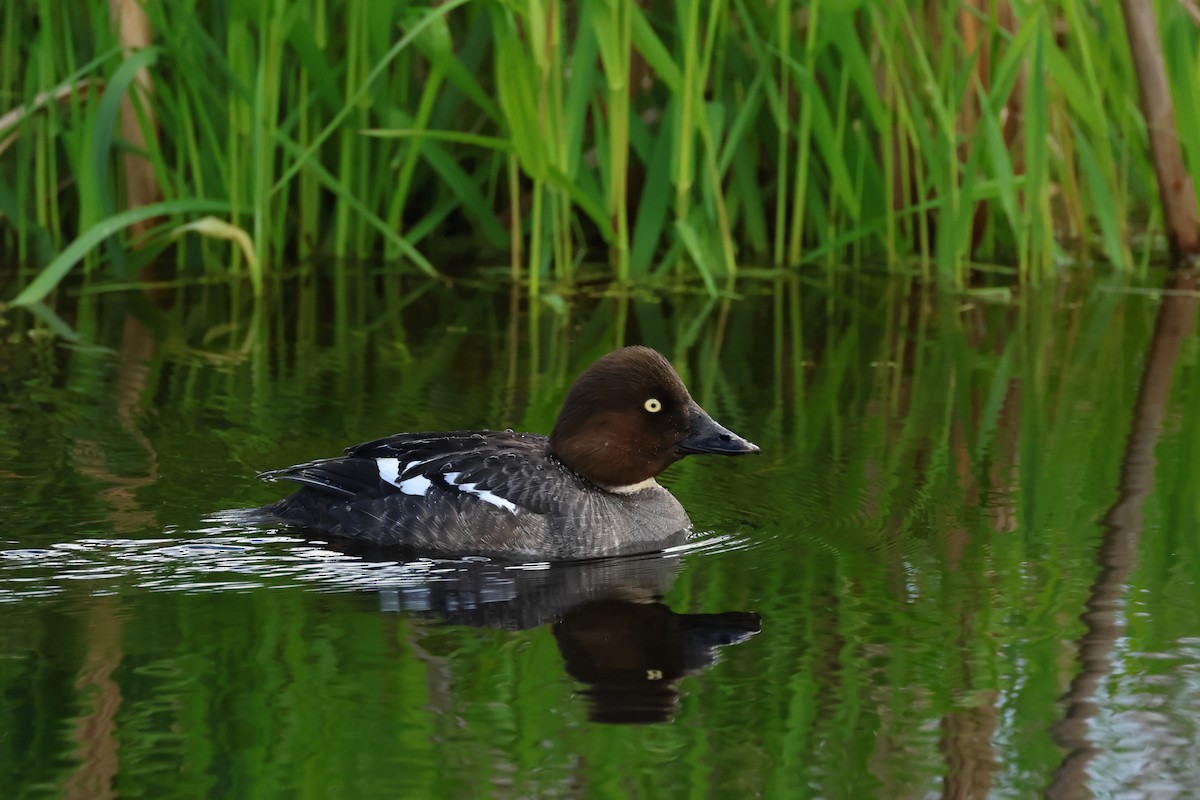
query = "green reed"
{"x": 674, "y": 140}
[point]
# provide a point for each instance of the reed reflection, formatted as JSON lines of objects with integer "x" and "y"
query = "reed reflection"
{"x": 1103, "y": 615}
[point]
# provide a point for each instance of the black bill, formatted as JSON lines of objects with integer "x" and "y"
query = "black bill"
{"x": 706, "y": 436}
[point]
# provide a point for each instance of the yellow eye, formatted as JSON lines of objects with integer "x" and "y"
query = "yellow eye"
{"x": 652, "y": 405}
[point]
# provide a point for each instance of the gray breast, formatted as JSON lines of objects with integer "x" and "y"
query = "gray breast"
{"x": 603, "y": 523}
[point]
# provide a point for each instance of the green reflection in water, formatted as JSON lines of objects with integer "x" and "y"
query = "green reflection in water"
{"x": 946, "y": 487}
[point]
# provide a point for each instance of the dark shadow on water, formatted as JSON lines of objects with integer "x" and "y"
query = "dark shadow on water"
{"x": 615, "y": 634}
{"x": 631, "y": 655}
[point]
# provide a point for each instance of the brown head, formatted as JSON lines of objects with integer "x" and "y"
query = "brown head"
{"x": 628, "y": 417}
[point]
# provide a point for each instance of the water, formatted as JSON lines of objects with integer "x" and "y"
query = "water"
{"x": 964, "y": 565}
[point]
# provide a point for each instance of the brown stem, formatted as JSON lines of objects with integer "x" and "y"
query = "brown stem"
{"x": 1174, "y": 185}
{"x": 141, "y": 185}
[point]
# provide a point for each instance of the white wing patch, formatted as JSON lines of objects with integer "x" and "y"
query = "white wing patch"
{"x": 389, "y": 470}
{"x": 483, "y": 494}
{"x": 417, "y": 485}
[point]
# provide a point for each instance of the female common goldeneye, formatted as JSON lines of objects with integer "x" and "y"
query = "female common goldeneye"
{"x": 586, "y": 490}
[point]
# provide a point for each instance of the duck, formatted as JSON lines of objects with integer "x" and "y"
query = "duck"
{"x": 586, "y": 490}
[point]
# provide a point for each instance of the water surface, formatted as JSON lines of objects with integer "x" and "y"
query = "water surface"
{"x": 964, "y": 565}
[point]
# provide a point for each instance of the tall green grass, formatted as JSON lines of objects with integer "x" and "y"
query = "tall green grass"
{"x": 675, "y": 141}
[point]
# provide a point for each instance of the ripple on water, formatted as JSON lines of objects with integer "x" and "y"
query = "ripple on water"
{"x": 227, "y": 559}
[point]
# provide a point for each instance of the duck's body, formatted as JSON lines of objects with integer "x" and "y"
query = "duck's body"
{"x": 475, "y": 492}
{"x": 586, "y": 490}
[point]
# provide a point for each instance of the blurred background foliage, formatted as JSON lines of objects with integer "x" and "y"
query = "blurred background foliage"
{"x": 637, "y": 141}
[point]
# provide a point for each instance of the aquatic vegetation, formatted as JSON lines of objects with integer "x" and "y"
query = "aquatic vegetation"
{"x": 681, "y": 141}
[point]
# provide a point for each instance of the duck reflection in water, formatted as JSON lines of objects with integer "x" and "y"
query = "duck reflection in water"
{"x": 631, "y": 655}
{"x": 616, "y": 636}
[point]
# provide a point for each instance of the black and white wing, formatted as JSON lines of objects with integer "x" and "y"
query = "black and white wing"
{"x": 503, "y": 470}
